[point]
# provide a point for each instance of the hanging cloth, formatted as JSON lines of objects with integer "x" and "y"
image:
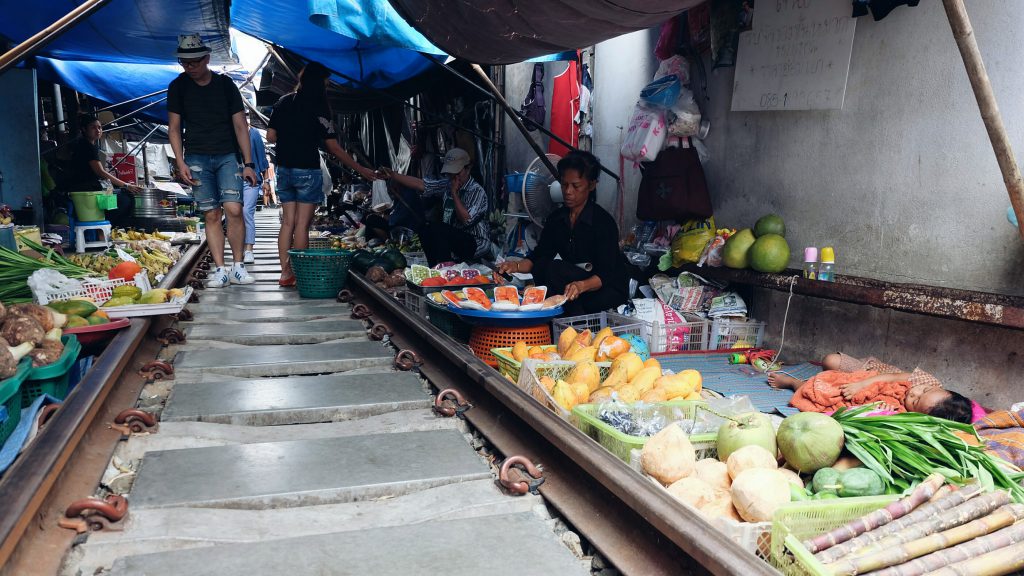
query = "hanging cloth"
{"x": 533, "y": 105}
{"x": 565, "y": 105}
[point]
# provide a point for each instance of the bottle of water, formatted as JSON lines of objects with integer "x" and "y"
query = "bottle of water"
{"x": 811, "y": 263}
{"x": 826, "y": 272}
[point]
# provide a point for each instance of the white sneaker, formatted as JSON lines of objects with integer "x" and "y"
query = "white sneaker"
{"x": 249, "y": 257}
{"x": 218, "y": 278}
{"x": 240, "y": 276}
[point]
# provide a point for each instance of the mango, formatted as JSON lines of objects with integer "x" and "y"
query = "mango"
{"x": 581, "y": 390}
{"x": 75, "y": 321}
{"x": 652, "y": 363}
{"x": 535, "y": 350}
{"x": 601, "y": 335}
{"x": 585, "y": 338}
{"x": 564, "y": 395}
{"x": 617, "y": 377}
{"x": 153, "y": 297}
{"x": 587, "y": 373}
{"x": 645, "y": 379}
{"x": 602, "y": 394}
{"x": 118, "y": 301}
{"x": 583, "y": 354}
{"x": 612, "y": 347}
{"x": 96, "y": 320}
{"x": 519, "y": 351}
{"x": 567, "y": 337}
{"x": 631, "y": 362}
{"x": 548, "y": 383}
{"x": 679, "y": 386}
{"x": 654, "y": 395}
{"x": 628, "y": 393}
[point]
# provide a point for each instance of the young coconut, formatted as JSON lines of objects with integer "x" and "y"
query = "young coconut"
{"x": 793, "y": 477}
{"x": 20, "y": 329}
{"x": 10, "y": 356}
{"x": 713, "y": 472}
{"x": 758, "y": 492}
{"x": 721, "y": 507}
{"x": 693, "y": 491}
{"x": 748, "y": 457}
{"x": 668, "y": 456}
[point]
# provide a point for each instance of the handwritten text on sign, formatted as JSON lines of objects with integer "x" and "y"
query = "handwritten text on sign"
{"x": 796, "y": 57}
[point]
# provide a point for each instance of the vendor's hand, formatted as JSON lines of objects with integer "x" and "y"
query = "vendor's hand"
{"x": 132, "y": 188}
{"x": 366, "y": 173}
{"x": 509, "y": 267}
{"x": 573, "y": 290}
{"x": 385, "y": 173}
{"x": 249, "y": 175}
{"x": 185, "y": 175}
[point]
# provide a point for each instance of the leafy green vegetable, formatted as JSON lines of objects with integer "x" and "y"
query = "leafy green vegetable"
{"x": 905, "y": 448}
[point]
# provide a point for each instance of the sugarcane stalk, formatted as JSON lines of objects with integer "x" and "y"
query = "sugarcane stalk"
{"x": 922, "y": 513}
{"x": 891, "y": 556}
{"x": 943, "y": 492}
{"x": 966, "y": 512}
{"x": 878, "y": 518}
{"x": 1006, "y": 560}
{"x": 940, "y": 558}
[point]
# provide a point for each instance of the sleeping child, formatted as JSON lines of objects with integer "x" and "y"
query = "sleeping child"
{"x": 847, "y": 381}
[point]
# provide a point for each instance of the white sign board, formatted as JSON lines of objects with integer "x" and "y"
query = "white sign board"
{"x": 796, "y": 57}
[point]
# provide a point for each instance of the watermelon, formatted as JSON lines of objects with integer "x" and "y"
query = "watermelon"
{"x": 362, "y": 260}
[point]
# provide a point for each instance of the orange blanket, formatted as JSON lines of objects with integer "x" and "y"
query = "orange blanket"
{"x": 824, "y": 392}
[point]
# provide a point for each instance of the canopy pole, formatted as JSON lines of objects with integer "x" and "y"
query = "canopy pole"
{"x": 49, "y": 34}
{"x": 515, "y": 119}
{"x": 963, "y": 33}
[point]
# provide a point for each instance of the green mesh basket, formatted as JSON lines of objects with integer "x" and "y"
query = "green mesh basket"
{"x": 52, "y": 379}
{"x": 320, "y": 273}
{"x": 449, "y": 323}
{"x": 10, "y": 399}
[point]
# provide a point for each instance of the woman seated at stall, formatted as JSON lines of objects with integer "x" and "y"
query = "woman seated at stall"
{"x": 592, "y": 271}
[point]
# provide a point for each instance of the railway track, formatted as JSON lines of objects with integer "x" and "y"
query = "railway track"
{"x": 254, "y": 384}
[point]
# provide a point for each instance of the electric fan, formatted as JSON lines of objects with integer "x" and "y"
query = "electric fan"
{"x": 541, "y": 191}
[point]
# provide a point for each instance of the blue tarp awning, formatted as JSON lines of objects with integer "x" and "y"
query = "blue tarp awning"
{"x": 288, "y": 23}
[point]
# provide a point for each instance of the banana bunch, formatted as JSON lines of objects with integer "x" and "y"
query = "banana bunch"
{"x": 100, "y": 263}
{"x": 155, "y": 262}
{"x": 122, "y": 234}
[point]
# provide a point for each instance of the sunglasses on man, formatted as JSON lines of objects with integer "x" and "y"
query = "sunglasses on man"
{"x": 189, "y": 63}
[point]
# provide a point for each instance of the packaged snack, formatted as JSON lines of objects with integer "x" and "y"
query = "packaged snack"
{"x": 507, "y": 294}
{"x": 535, "y": 295}
{"x": 456, "y": 298}
{"x": 478, "y": 296}
{"x": 553, "y": 302}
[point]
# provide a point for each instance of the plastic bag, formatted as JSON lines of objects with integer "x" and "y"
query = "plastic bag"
{"x": 677, "y": 66}
{"x": 662, "y": 93}
{"x": 684, "y": 116}
{"x": 638, "y": 419}
{"x": 645, "y": 135}
{"x": 713, "y": 253}
{"x": 381, "y": 200}
{"x": 688, "y": 245}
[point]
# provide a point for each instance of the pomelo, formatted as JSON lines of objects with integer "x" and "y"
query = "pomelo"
{"x": 769, "y": 253}
{"x": 770, "y": 224}
{"x": 737, "y": 248}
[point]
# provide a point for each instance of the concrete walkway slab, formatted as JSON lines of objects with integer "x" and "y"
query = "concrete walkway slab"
{"x": 252, "y": 333}
{"x": 296, "y": 313}
{"x": 248, "y": 288}
{"x": 508, "y": 545}
{"x": 299, "y": 400}
{"x": 181, "y": 435}
{"x": 305, "y": 472}
{"x": 160, "y": 530}
{"x": 285, "y": 360}
{"x": 282, "y": 297}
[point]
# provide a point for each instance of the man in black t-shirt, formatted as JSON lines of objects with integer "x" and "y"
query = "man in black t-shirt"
{"x": 218, "y": 155}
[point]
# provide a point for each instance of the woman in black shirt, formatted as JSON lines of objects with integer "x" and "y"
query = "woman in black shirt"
{"x": 85, "y": 169}
{"x": 592, "y": 271}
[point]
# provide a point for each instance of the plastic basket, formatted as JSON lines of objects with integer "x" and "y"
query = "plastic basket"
{"x": 106, "y": 202}
{"x": 52, "y": 379}
{"x": 585, "y": 417}
{"x": 10, "y": 399}
{"x": 414, "y": 303}
{"x": 509, "y": 366}
{"x": 795, "y": 522}
{"x": 485, "y": 338}
{"x": 594, "y": 322}
{"x": 320, "y": 243}
{"x": 447, "y": 322}
{"x": 691, "y": 335}
{"x": 97, "y": 289}
{"x": 320, "y": 273}
{"x": 736, "y": 333}
{"x": 87, "y": 208}
{"x": 413, "y": 258}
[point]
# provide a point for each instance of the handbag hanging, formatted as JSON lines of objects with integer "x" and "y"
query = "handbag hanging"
{"x": 673, "y": 187}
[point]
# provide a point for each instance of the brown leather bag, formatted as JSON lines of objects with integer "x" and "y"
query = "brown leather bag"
{"x": 673, "y": 187}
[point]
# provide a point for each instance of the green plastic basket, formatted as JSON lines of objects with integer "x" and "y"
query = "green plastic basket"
{"x": 449, "y": 323}
{"x": 794, "y": 523}
{"x": 106, "y": 202}
{"x": 320, "y": 273}
{"x": 52, "y": 379}
{"x": 10, "y": 398}
{"x": 586, "y": 419}
{"x": 509, "y": 366}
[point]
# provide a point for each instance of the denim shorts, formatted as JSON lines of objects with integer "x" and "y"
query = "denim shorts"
{"x": 219, "y": 178}
{"x": 302, "y": 185}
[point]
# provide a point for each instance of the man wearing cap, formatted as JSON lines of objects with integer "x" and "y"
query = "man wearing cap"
{"x": 215, "y": 156}
{"x": 464, "y": 233}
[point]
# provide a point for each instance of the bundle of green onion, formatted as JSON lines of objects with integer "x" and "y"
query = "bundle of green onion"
{"x": 15, "y": 268}
{"x": 904, "y": 448}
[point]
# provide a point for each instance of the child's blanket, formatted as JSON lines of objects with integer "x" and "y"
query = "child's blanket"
{"x": 824, "y": 392}
{"x": 1003, "y": 432}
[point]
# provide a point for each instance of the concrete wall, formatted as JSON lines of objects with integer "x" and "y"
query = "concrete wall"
{"x": 19, "y": 147}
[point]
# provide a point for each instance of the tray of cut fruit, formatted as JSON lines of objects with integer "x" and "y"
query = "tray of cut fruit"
{"x": 507, "y": 308}
{"x": 425, "y": 280}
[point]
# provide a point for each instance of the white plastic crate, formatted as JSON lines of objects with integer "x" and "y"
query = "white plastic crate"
{"x": 98, "y": 289}
{"x": 414, "y": 303}
{"x": 688, "y": 336}
{"x": 617, "y": 322}
{"x": 728, "y": 332}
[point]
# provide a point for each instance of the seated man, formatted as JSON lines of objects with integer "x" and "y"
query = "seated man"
{"x": 848, "y": 381}
{"x": 464, "y": 233}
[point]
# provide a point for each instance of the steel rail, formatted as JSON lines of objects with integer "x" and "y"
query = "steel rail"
{"x": 650, "y": 506}
{"x": 25, "y": 486}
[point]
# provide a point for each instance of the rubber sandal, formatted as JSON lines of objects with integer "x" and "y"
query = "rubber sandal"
{"x": 286, "y": 281}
